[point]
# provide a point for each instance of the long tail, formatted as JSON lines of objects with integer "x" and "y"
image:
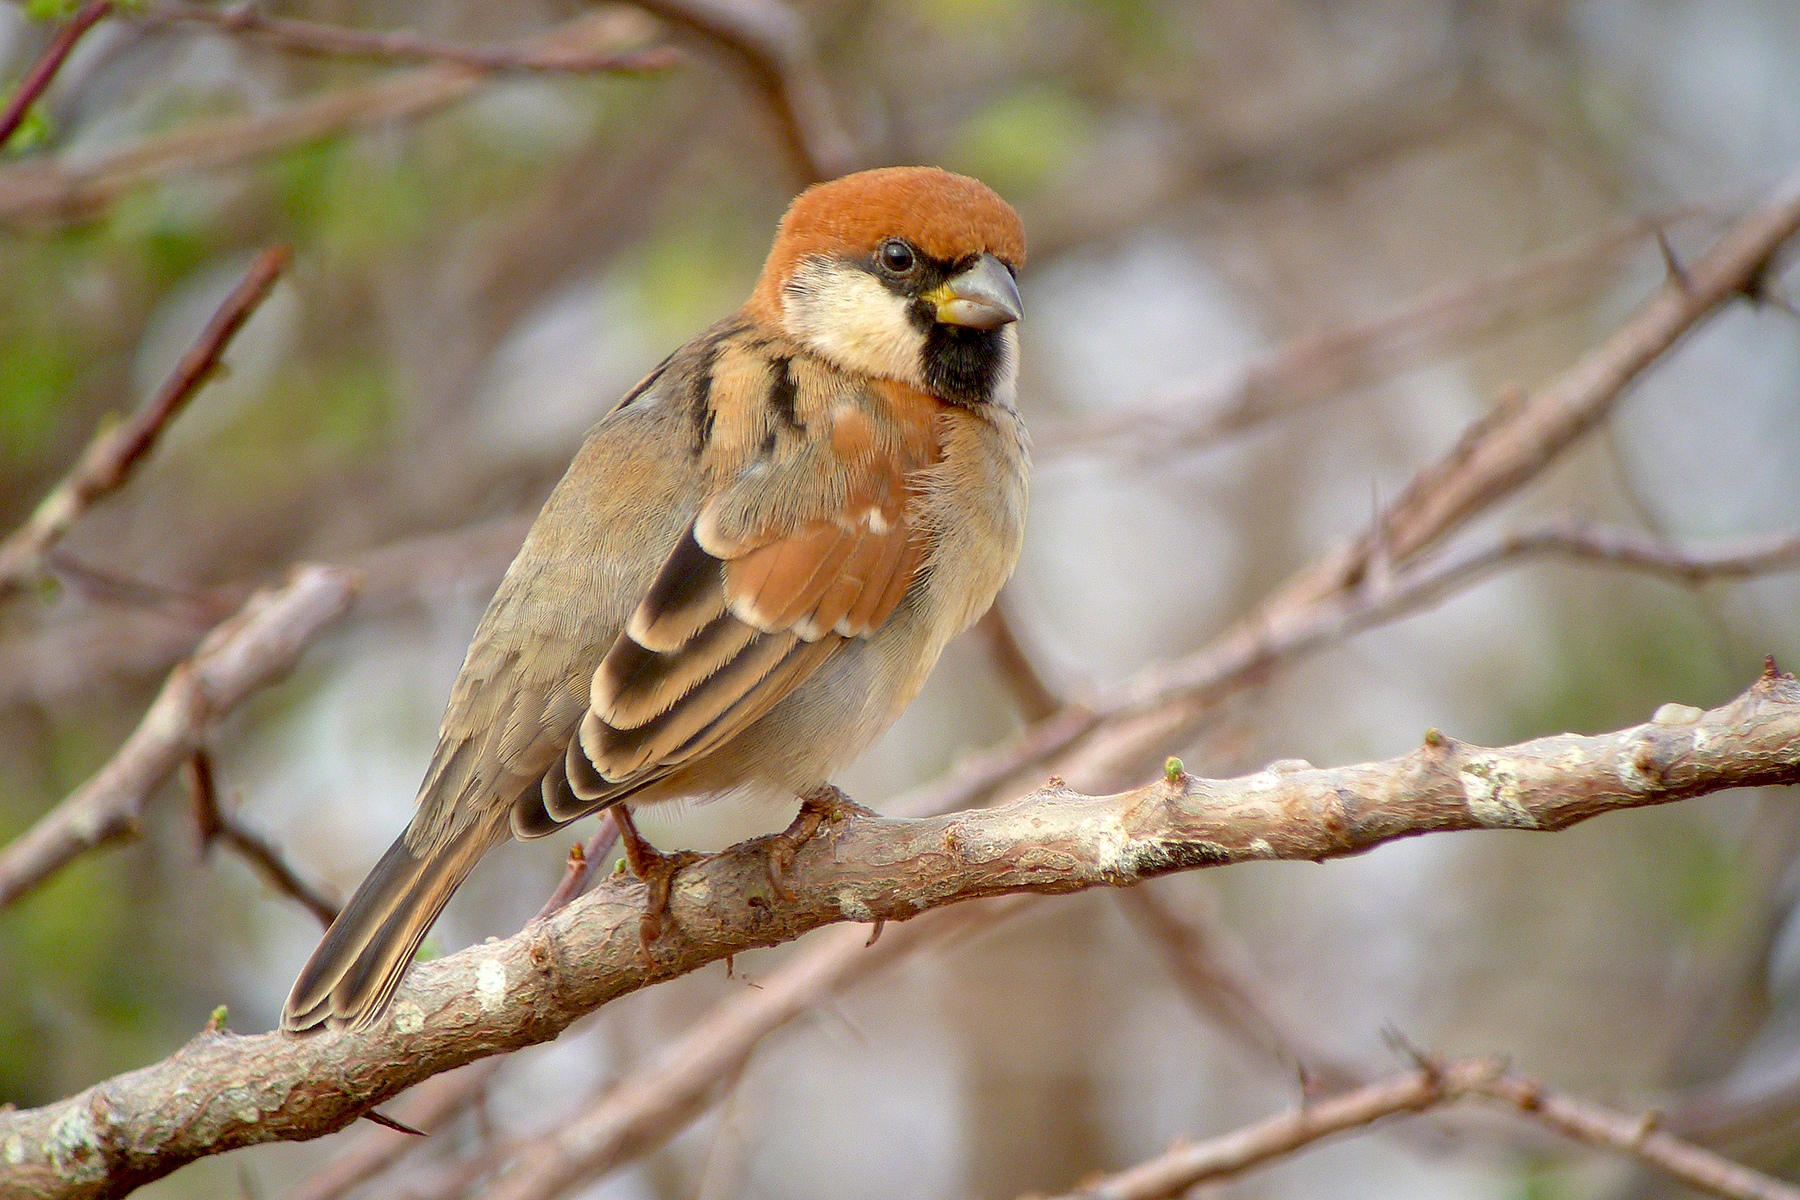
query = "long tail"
{"x": 364, "y": 955}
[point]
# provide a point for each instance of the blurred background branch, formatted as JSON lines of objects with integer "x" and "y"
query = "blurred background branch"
{"x": 110, "y": 457}
{"x": 1433, "y": 1085}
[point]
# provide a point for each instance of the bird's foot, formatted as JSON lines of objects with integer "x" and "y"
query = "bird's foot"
{"x": 823, "y": 804}
{"x": 655, "y": 868}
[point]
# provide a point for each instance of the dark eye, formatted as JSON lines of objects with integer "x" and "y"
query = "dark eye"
{"x": 896, "y": 256}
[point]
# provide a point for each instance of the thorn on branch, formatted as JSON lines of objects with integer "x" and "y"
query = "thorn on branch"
{"x": 387, "y": 1122}
{"x": 1759, "y": 290}
{"x": 1677, "y": 273}
{"x": 875, "y": 933}
{"x": 1403, "y": 1046}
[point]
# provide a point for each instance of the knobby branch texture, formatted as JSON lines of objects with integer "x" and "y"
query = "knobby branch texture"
{"x": 222, "y": 1091}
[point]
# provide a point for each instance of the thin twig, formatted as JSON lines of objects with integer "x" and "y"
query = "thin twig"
{"x": 1185, "y": 1166}
{"x": 1516, "y": 441}
{"x": 217, "y": 824}
{"x": 1432, "y": 1085}
{"x": 311, "y": 37}
{"x": 1214, "y": 972}
{"x": 583, "y": 862}
{"x": 144, "y": 641}
{"x": 1427, "y": 582}
{"x": 1035, "y": 698}
{"x": 770, "y": 41}
{"x": 255, "y": 647}
{"x": 1586, "y": 1122}
{"x": 67, "y": 188}
{"x": 109, "y": 459}
{"x": 48, "y": 64}
{"x": 1332, "y": 363}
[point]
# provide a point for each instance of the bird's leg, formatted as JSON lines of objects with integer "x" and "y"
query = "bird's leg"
{"x": 824, "y": 803}
{"x": 655, "y": 868}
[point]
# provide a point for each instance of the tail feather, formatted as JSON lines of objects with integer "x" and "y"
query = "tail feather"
{"x": 352, "y": 975}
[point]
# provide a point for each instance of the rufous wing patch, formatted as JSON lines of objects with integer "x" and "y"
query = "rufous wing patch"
{"x": 766, "y": 584}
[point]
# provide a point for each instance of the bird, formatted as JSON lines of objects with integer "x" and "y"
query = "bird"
{"x": 747, "y": 572}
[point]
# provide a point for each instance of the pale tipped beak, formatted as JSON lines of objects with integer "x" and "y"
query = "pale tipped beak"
{"x": 982, "y": 297}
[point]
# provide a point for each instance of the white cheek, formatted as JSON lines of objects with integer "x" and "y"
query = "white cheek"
{"x": 848, "y": 317}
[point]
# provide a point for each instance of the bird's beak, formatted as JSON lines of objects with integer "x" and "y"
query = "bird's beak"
{"x": 982, "y": 297}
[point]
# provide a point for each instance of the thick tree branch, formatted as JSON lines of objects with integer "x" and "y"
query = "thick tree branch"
{"x": 1186, "y": 1166}
{"x": 221, "y": 1092}
{"x": 258, "y": 645}
{"x": 109, "y": 459}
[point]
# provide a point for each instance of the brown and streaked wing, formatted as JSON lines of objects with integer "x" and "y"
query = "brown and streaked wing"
{"x": 777, "y": 571}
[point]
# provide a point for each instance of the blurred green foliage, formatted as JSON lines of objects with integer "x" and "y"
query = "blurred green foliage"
{"x": 33, "y": 130}
{"x": 40, "y": 369}
{"x": 1023, "y": 140}
{"x": 50, "y": 10}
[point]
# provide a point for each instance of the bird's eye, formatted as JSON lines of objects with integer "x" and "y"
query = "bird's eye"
{"x": 896, "y": 256}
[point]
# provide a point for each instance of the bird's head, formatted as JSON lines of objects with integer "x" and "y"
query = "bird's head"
{"x": 902, "y": 273}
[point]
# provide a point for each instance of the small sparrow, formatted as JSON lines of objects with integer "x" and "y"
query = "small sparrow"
{"x": 750, "y": 567}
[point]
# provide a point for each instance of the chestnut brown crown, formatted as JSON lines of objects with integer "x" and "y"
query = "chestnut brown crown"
{"x": 948, "y": 216}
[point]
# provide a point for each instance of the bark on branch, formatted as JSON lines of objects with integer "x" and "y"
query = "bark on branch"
{"x": 221, "y": 1091}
